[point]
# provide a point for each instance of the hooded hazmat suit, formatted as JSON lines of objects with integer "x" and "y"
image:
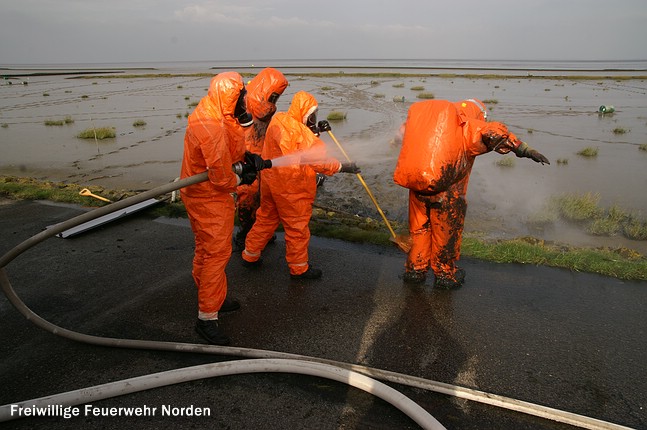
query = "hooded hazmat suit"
{"x": 441, "y": 140}
{"x": 214, "y": 140}
{"x": 288, "y": 191}
{"x": 262, "y": 93}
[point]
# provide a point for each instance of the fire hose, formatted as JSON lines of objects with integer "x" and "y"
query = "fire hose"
{"x": 313, "y": 365}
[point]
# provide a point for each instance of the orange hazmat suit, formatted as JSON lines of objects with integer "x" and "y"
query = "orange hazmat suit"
{"x": 263, "y": 92}
{"x": 214, "y": 140}
{"x": 441, "y": 140}
{"x": 288, "y": 192}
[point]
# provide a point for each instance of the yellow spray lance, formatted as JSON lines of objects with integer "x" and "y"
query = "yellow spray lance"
{"x": 401, "y": 242}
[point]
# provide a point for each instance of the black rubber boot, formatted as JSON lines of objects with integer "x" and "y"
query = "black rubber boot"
{"x": 311, "y": 273}
{"x": 414, "y": 277}
{"x": 229, "y": 305}
{"x": 252, "y": 264}
{"x": 212, "y": 332}
{"x": 447, "y": 282}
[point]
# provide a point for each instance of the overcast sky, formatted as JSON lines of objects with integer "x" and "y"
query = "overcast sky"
{"x": 91, "y": 31}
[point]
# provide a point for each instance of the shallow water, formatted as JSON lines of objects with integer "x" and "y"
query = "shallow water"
{"x": 557, "y": 117}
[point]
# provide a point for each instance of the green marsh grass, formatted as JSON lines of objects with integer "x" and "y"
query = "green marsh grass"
{"x": 589, "y": 151}
{"x": 621, "y": 263}
{"x": 97, "y": 133}
{"x": 643, "y": 147}
{"x": 418, "y": 88}
{"x": 336, "y": 116}
{"x": 505, "y": 162}
{"x": 424, "y": 95}
{"x": 58, "y": 122}
{"x": 139, "y": 123}
{"x": 620, "y": 130}
{"x": 573, "y": 207}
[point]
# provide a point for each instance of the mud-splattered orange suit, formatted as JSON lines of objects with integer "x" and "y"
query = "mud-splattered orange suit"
{"x": 288, "y": 193}
{"x": 441, "y": 140}
{"x": 262, "y": 93}
{"x": 214, "y": 140}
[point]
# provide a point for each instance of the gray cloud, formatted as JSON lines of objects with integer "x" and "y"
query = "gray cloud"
{"x": 59, "y": 31}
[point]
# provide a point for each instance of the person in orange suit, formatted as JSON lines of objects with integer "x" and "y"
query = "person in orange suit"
{"x": 263, "y": 91}
{"x": 288, "y": 191}
{"x": 440, "y": 142}
{"x": 214, "y": 141}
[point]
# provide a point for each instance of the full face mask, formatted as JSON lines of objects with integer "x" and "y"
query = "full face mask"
{"x": 311, "y": 122}
{"x": 240, "y": 112}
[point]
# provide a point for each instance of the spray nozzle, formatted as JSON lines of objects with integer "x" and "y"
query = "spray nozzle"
{"x": 239, "y": 167}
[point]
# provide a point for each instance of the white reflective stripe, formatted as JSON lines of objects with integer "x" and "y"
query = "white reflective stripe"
{"x": 208, "y": 316}
{"x": 246, "y": 252}
{"x": 299, "y": 264}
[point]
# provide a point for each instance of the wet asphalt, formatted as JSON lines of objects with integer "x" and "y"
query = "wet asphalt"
{"x": 571, "y": 341}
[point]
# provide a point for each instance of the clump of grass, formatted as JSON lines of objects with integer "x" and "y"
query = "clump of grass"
{"x": 643, "y": 147}
{"x": 375, "y": 83}
{"x": 97, "y": 133}
{"x": 620, "y": 130}
{"x": 543, "y": 218}
{"x": 84, "y": 96}
{"x": 193, "y": 104}
{"x": 426, "y": 95}
{"x": 67, "y": 120}
{"x": 139, "y": 123}
{"x": 179, "y": 87}
{"x": 379, "y": 96}
{"x": 5, "y": 125}
{"x": 577, "y": 208}
{"x": 418, "y": 88}
{"x": 613, "y": 262}
{"x": 505, "y": 162}
{"x": 490, "y": 101}
{"x": 635, "y": 229}
{"x": 398, "y": 99}
{"x": 326, "y": 88}
{"x": 336, "y": 116}
{"x": 589, "y": 152}
{"x": 399, "y": 85}
{"x": 562, "y": 161}
{"x": 530, "y": 131}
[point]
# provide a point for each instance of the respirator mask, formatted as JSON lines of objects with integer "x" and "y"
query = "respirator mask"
{"x": 243, "y": 117}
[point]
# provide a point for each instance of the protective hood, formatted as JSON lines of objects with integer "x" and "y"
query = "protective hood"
{"x": 260, "y": 90}
{"x": 223, "y": 94}
{"x": 303, "y": 104}
{"x": 472, "y": 109}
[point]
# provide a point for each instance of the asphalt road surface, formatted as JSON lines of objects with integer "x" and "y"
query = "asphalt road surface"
{"x": 570, "y": 341}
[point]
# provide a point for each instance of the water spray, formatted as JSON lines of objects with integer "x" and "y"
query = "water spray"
{"x": 403, "y": 243}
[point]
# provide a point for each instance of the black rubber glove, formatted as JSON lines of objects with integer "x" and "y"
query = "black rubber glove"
{"x": 248, "y": 174}
{"x": 323, "y": 125}
{"x": 349, "y": 168}
{"x": 525, "y": 151}
{"x": 255, "y": 160}
{"x": 537, "y": 157}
